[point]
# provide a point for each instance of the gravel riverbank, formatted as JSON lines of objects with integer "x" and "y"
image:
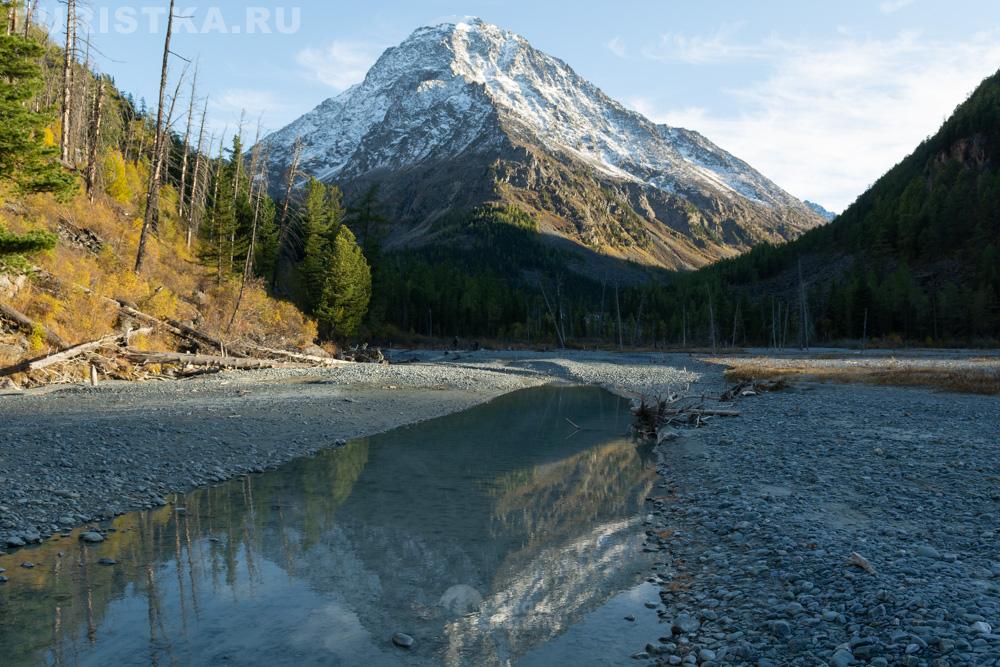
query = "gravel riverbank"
{"x": 69, "y": 456}
{"x": 755, "y": 517}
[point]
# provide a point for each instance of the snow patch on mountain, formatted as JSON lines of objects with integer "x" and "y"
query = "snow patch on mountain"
{"x": 474, "y": 86}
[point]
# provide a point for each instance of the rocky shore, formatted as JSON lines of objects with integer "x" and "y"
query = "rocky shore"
{"x": 832, "y": 525}
{"x": 828, "y": 524}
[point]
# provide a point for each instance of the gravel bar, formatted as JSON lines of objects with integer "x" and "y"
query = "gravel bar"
{"x": 755, "y": 519}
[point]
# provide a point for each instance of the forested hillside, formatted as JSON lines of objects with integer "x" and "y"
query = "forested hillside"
{"x": 106, "y": 202}
{"x": 915, "y": 258}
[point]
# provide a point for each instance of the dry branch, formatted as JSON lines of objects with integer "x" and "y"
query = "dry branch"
{"x": 183, "y": 359}
{"x": 68, "y": 354}
{"x": 29, "y": 325}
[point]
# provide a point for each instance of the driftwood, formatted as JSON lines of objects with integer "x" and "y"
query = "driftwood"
{"x": 860, "y": 561}
{"x": 654, "y": 420}
{"x": 183, "y": 359}
{"x": 296, "y": 356}
{"x": 179, "y": 329}
{"x": 751, "y": 388}
{"x": 363, "y": 354}
{"x": 28, "y": 325}
{"x": 70, "y": 353}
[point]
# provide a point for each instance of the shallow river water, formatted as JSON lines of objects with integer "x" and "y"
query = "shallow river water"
{"x": 507, "y": 534}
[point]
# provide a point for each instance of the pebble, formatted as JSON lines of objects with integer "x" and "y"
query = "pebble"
{"x": 402, "y": 640}
{"x": 841, "y": 658}
{"x": 982, "y": 628}
{"x": 685, "y": 623}
{"x": 91, "y": 537}
{"x": 927, "y": 551}
{"x": 107, "y": 561}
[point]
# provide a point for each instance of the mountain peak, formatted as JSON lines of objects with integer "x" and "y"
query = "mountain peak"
{"x": 471, "y": 91}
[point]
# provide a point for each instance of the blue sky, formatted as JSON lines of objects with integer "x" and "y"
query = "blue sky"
{"x": 822, "y": 97}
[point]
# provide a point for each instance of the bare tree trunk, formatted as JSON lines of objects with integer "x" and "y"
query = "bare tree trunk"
{"x": 12, "y": 18}
{"x": 79, "y": 122}
{"x": 618, "y": 310}
{"x": 803, "y": 311}
{"x": 153, "y": 189}
{"x": 711, "y": 319}
{"x": 736, "y": 319}
{"x": 67, "y": 93}
{"x": 684, "y": 326}
{"x": 192, "y": 226}
{"x": 638, "y": 321}
{"x": 215, "y": 200}
{"x": 864, "y": 333}
{"x": 182, "y": 190}
{"x": 248, "y": 264}
{"x": 95, "y": 139}
{"x": 255, "y": 160}
{"x": 285, "y": 206}
{"x": 552, "y": 312}
{"x": 29, "y": 11}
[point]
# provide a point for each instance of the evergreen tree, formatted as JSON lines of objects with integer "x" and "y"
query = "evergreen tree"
{"x": 25, "y": 157}
{"x": 321, "y": 217}
{"x": 218, "y": 232}
{"x": 335, "y": 274}
{"x": 347, "y": 289}
{"x": 13, "y": 247}
{"x": 266, "y": 257}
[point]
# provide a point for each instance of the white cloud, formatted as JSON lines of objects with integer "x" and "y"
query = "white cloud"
{"x": 340, "y": 64}
{"x": 699, "y": 49}
{"x": 829, "y": 118}
{"x": 617, "y": 47}
{"x": 893, "y": 6}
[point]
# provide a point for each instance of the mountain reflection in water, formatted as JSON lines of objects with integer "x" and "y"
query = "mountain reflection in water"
{"x": 481, "y": 534}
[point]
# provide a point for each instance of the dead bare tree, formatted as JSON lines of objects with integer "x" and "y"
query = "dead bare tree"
{"x": 283, "y": 222}
{"x": 803, "y": 312}
{"x": 736, "y": 320}
{"x": 67, "y": 78}
{"x": 12, "y": 17}
{"x": 684, "y": 325}
{"x": 638, "y": 320}
{"x": 182, "y": 188}
{"x": 153, "y": 188}
{"x": 618, "y": 311}
{"x": 95, "y": 139}
{"x": 192, "y": 216}
{"x": 556, "y": 316}
{"x": 248, "y": 264}
{"x": 711, "y": 318}
{"x": 29, "y": 11}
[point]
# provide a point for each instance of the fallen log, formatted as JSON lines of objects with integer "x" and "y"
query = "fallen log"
{"x": 183, "y": 359}
{"x": 296, "y": 356}
{"x": 29, "y": 325}
{"x": 702, "y": 412}
{"x": 179, "y": 329}
{"x": 70, "y": 353}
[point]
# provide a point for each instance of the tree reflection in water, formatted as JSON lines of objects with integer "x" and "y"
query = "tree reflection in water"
{"x": 481, "y": 534}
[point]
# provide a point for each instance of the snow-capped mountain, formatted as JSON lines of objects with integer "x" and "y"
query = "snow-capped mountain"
{"x": 461, "y": 115}
{"x": 820, "y": 210}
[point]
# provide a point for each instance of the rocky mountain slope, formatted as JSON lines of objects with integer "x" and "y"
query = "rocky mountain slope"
{"x": 463, "y": 115}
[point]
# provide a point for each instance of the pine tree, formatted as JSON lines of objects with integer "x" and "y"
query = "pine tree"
{"x": 337, "y": 278}
{"x": 321, "y": 216}
{"x": 348, "y": 288}
{"x": 219, "y": 229}
{"x": 25, "y": 158}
